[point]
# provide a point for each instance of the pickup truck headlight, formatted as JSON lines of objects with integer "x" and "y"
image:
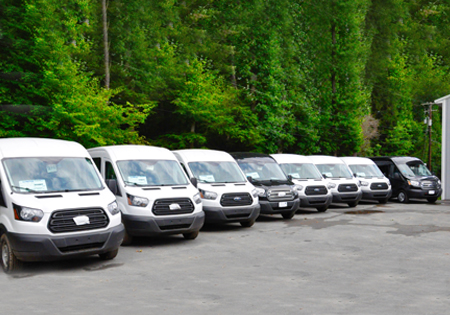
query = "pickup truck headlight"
{"x": 205, "y": 194}
{"x": 27, "y": 214}
{"x": 137, "y": 201}
{"x": 415, "y": 183}
{"x": 259, "y": 192}
{"x": 113, "y": 208}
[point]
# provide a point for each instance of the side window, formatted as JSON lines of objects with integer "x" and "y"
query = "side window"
{"x": 98, "y": 163}
{"x": 109, "y": 171}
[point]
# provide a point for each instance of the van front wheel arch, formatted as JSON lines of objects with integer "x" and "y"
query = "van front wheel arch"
{"x": 10, "y": 263}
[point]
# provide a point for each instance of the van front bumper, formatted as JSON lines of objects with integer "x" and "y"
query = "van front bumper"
{"x": 316, "y": 201}
{"x": 347, "y": 197}
{"x": 231, "y": 214}
{"x": 420, "y": 193}
{"x": 37, "y": 247}
{"x": 376, "y": 194}
{"x": 137, "y": 225}
{"x": 273, "y": 207}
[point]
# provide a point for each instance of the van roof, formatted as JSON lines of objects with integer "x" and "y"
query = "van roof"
{"x": 38, "y": 147}
{"x": 399, "y": 159}
{"x": 197, "y": 155}
{"x": 352, "y": 160}
{"x": 291, "y": 158}
{"x": 135, "y": 152}
{"x": 325, "y": 159}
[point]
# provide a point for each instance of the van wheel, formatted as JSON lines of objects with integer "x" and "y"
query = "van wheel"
{"x": 432, "y": 199}
{"x": 352, "y": 204}
{"x": 247, "y": 223}
{"x": 322, "y": 209}
{"x": 191, "y": 236}
{"x": 10, "y": 263}
{"x": 402, "y": 197}
{"x": 383, "y": 201}
{"x": 127, "y": 239}
{"x": 109, "y": 255}
{"x": 288, "y": 216}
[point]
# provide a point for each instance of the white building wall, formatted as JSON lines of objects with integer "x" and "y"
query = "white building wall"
{"x": 445, "y": 170}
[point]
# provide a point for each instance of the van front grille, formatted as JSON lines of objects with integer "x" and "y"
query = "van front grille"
{"x": 378, "y": 186}
{"x": 62, "y": 221}
{"x": 236, "y": 199}
{"x": 280, "y": 195}
{"x": 171, "y": 206}
{"x": 347, "y": 187}
{"x": 316, "y": 190}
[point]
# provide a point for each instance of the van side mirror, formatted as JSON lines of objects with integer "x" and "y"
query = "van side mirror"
{"x": 397, "y": 175}
{"x": 194, "y": 181}
{"x": 250, "y": 179}
{"x": 112, "y": 185}
{"x": 289, "y": 177}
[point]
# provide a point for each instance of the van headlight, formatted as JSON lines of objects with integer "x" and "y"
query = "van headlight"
{"x": 205, "y": 194}
{"x": 259, "y": 192}
{"x": 331, "y": 185}
{"x": 298, "y": 187}
{"x": 137, "y": 201}
{"x": 113, "y": 208}
{"x": 415, "y": 183}
{"x": 27, "y": 214}
{"x": 197, "y": 198}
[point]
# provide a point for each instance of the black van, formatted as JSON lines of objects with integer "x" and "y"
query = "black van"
{"x": 409, "y": 177}
{"x": 277, "y": 193}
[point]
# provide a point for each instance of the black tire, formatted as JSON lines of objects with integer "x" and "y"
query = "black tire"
{"x": 322, "y": 209}
{"x": 352, "y": 204}
{"x": 127, "y": 239}
{"x": 10, "y": 263}
{"x": 288, "y": 215}
{"x": 109, "y": 255}
{"x": 432, "y": 199}
{"x": 383, "y": 201}
{"x": 402, "y": 197}
{"x": 191, "y": 235}
{"x": 247, "y": 224}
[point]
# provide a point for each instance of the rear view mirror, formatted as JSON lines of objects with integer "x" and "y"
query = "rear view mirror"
{"x": 194, "y": 181}
{"x": 112, "y": 185}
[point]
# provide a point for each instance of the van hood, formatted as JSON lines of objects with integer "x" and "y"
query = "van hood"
{"x": 423, "y": 178}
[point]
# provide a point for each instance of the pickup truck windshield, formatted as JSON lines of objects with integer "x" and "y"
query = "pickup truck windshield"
{"x": 51, "y": 174}
{"x": 152, "y": 173}
{"x": 366, "y": 170}
{"x": 334, "y": 170}
{"x": 217, "y": 172}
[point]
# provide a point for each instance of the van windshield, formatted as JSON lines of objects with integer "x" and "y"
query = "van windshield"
{"x": 334, "y": 170}
{"x": 301, "y": 170}
{"x": 152, "y": 173}
{"x": 216, "y": 172}
{"x": 51, "y": 174}
{"x": 366, "y": 170}
{"x": 413, "y": 169}
{"x": 263, "y": 169}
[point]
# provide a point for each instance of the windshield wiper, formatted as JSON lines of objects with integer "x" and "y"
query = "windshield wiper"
{"x": 133, "y": 183}
{"x": 29, "y": 189}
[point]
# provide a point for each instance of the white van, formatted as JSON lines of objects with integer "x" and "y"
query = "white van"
{"x": 374, "y": 185}
{"x": 311, "y": 186}
{"x": 53, "y": 203}
{"x": 227, "y": 195}
{"x": 153, "y": 193}
{"x": 344, "y": 187}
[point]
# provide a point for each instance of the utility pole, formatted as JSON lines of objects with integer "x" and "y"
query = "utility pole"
{"x": 429, "y": 123}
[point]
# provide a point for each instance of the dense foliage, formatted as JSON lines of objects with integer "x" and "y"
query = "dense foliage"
{"x": 338, "y": 77}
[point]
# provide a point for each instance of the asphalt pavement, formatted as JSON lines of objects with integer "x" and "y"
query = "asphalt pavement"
{"x": 372, "y": 259}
